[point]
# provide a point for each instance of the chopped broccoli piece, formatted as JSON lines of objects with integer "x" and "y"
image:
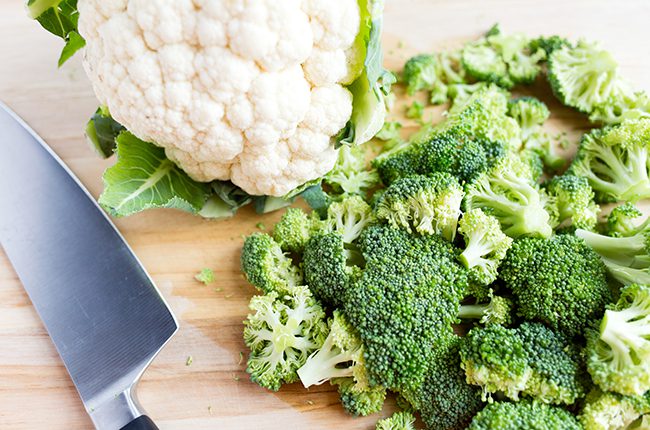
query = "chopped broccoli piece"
{"x": 532, "y": 360}
{"x": 426, "y": 204}
{"x": 360, "y": 401}
{"x": 330, "y": 267}
{"x": 460, "y": 93}
{"x": 398, "y": 421}
{"x": 508, "y": 193}
{"x": 340, "y": 356}
{"x": 349, "y": 217}
{"x": 266, "y": 266}
{"x": 627, "y": 258}
{"x": 445, "y": 400}
{"x": 485, "y": 246}
{"x": 411, "y": 288}
{"x": 574, "y": 200}
{"x": 350, "y": 175}
{"x": 620, "y": 221}
{"x": 559, "y": 281}
{"x": 450, "y": 72}
{"x": 618, "y": 352}
{"x": 615, "y": 161}
{"x": 497, "y": 311}
{"x": 295, "y": 228}
{"x": 420, "y": 73}
{"x": 524, "y": 415}
{"x": 505, "y": 60}
{"x": 205, "y": 276}
{"x": 282, "y": 332}
{"x": 415, "y": 110}
{"x": 605, "y": 411}
{"x": 584, "y": 76}
{"x": 628, "y": 105}
{"x": 548, "y": 44}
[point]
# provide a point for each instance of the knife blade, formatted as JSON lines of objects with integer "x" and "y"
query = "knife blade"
{"x": 100, "y": 307}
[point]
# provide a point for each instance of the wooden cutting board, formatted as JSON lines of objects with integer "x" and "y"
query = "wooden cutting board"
{"x": 214, "y": 391}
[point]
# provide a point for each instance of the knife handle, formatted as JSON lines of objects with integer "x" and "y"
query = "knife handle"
{"x": 143, "y": 422}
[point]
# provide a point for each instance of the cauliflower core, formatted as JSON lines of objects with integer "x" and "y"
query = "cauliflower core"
{"x": 244, "y": 90}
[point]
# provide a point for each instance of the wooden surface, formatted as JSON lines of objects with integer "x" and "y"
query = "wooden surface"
{"x": 214, "y": 391}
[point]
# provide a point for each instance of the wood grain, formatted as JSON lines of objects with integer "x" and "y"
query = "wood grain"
{"x": 214, "y": 392}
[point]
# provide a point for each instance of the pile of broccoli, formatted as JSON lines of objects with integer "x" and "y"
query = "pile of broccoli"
{"x": 467, "y": 270}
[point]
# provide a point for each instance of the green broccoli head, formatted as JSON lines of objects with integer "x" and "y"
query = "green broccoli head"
{"x": 524, "y": 415}
{"x": 574, "y": 200}
{"x": 505, "y": 60}
{"x": 618, "y": 353}
{"x": 295, "y": 228}
{"x": 420, "y": 73}
{"x": 584, "y": 76}
{"x": 330, "y": 267}
{"x": 266, "y": 266}
{"x": 340, "y": 356}
{"x": 485, "y": 245}
{"x": 606, "y": 410}
{"x": 498, "y": 310}
{"x": 444, "y": 399}
{"x": 615, "y": 161}
{"x": 350, "y": 175}
{"x": 398, "y": 421}
{"x": 494, "y": 358}
{"x": 627, "y": 258}
{"x": 559, "y": 281}
{"x": 411, "y": 288}
{"x": 621, "y": 220}
{"x": 426, "y": 204}
{"x": 349, "y": 217}
{"x": 281, "y": 332}
{"x": 360, "y": 401}
{"x": 508, "y": 192}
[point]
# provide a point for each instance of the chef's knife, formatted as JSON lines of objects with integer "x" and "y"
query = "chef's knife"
{"x": 101, "y": 309}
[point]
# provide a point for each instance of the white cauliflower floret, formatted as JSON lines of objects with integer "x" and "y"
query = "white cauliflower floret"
{"x": 245, "y": 90}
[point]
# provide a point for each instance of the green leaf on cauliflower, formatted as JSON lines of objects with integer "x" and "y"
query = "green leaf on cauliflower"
{"x": 101, "y": 132}
{"x": 59, "y": 17}
{"x": 225, "y": 201}
{"x": 144, "y": 178}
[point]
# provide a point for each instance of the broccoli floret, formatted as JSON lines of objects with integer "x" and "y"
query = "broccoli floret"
{"x": 450, "y": 72}
{"x": 349, "y": 217}
{"x": 611, "y": 411}
{"x": 524, "y": 415}
{"x": 559, "y": 281}
{"x": 584, "y": 76}
{"x": 534, "y": 162}
{"x": 505, "y": 60}
{"x": 445, "y": 400}
{"x": 628, "y": 257}
{"x": 628, "y": 105}
{"x": 615, "y": 161}
{"x": 532, "y": 360}
{"x": 548, "y": 44}
{"x": 397, "y": 421}
{"x": 618, "y": 352}
{"x": 415, "y": 110}
{"x": 574, "y": 200}
{"x": 282, "y": 332}
{"x": 266, "y": 266}
{"x": 461, "y": 93}
{"x": 494, "y": 358}
{"x": 411, "y": 288}
{"x": 426, "y": 204}
{"x": 497, "y": 311}
{"x": 485, "y": 246}
{"x": 350, "y": 175}
{"x": 620, "y": 221}
{"x": 340, "y": 356}
{"x": 420, "y": 73}
{"x": 360, "y": 401}
{"x": 508, "y": 193}
{"x": 330, "y": 267}
{"x": 295, "y": 228}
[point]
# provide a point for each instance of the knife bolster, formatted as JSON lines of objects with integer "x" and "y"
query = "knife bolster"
{"x": 117, "y": 412}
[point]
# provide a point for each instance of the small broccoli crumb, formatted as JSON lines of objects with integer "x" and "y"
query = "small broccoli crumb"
{"x": 189, "y": 360}
{"x": 260, "y": 226}
{"x": 206, "y": 276}
{"x": 415, "y": 110}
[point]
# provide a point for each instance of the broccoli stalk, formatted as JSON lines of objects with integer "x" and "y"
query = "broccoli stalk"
{"x": 618, "y": 354}
{"x": 497, "y": 311}
{"x": 349, "y": 217}
{"x": 340, "y": 356}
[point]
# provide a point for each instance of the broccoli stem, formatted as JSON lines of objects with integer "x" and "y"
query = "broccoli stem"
{"x": 472, "y": 311}
{"x": 475, "y": 251}
{"x": 615, "y": 247}
{"x": 325, "y": 364}
{"x": 625, "y": 330}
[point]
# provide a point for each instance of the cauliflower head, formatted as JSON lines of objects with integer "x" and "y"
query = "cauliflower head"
{"x": 251, "y": 91}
